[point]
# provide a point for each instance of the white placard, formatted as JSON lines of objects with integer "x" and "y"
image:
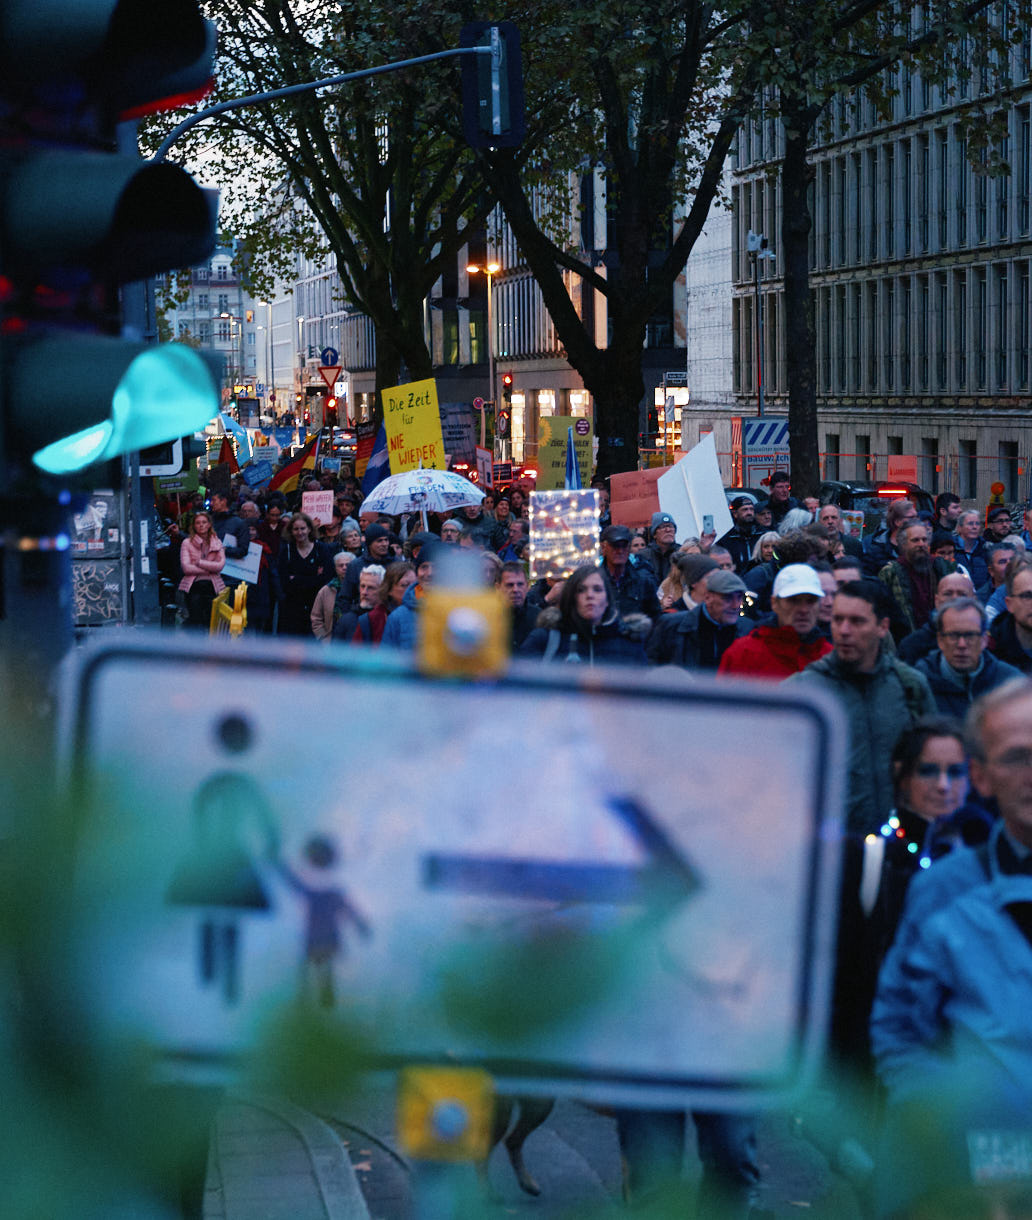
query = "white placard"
{"x": 247, "y": 567}
{"x": 318, "y": 505}
{"x": 693, "y": 490}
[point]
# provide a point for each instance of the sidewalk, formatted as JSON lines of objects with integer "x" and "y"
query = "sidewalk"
{"x": 269, "y": 1160}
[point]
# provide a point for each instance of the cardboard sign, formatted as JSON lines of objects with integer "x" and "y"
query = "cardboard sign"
{"x": 634, "y": 497}
{"x": 693, "y": 490}
{"x": 247, "y": 567}
{"x": 635, "y": 948}
{"x": 551, "y": 457}
{"x": 412, "y": 421}
{"x": 318, "y": 505}
{"x": 563, "y": 532}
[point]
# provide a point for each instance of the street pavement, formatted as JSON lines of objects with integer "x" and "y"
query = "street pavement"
{"x": 270, "y": 1160}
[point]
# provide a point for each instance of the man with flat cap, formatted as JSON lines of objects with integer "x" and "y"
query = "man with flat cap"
{"x": 634, "y": 586}
{"x": 698, "y": 639}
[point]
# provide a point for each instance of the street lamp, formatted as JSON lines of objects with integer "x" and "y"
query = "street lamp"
{"x": 236, "y": 368}
{"x": 490, "y": 270}
{"x": 757, "y": 247}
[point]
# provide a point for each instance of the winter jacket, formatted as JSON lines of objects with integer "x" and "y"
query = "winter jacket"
{"x": 322, "y": 609}
{"x": 202, "y": 562}
{"x": 692, "y": 640}
{"x": 774, "y": 652}
{"x": 954, "y": 693}
{"x": 1004, "y": 642}
{"x": 878, "y": 706}
{"x": 614, "y": 641}
{"x": 657, "y": 561}
{"x": 951, "y": 1015}
{"x": 917, "y": 644}
{"x": 234, "y": 533}
{"x": 897, "y": 578}
{"x": 976, "y": 560}
{"x": 739, "y": 545}
{"x": 635, "y": 591}
{"x": 878, "y": 551}
{"x": 759, "y": 581}
{"x": 400, "y": 631}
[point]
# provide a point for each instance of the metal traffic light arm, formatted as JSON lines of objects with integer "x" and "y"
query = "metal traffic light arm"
{"x": 270, "y": 95}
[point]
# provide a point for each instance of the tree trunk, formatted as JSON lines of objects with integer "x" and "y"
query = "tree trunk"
{"x": 800, "y": 337}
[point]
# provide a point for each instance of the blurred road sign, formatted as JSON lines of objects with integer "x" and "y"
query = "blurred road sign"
{"x": 600, "y": 928}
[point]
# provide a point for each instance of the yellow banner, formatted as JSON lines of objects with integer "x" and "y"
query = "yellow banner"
{"x": 412, "y": 421}
{"x": 551, "y": 454}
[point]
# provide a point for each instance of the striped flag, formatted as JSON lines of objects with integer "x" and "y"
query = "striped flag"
{"x": 379, "y": 465}
{"x": 287, "y": 479}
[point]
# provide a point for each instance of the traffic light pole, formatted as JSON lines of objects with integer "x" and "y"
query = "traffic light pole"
{"x": 271, "y": 95}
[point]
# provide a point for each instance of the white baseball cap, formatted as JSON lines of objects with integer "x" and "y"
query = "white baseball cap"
{"x": 796, "y": 578}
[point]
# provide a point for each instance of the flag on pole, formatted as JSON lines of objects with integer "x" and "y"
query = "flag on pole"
{"x": 242, "y": 439}
{"x": 573, "y": 479}
{"x": 287, "y": 479}
{"x": 227, "y": 456}
{"x": 379, "y": 464}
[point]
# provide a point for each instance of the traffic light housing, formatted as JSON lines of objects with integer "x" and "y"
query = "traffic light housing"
{"x": 507, "y": 388}
{"x": 78, "y": 219}
{"x": 492, "y": 86}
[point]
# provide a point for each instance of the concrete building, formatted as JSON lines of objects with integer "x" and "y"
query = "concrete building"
{"x": 920, "y": 269}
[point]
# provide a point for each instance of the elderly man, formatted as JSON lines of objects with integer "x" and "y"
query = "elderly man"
{"x": 790, "y": 639}
{"x": 880, "y": 696}
{"x": 880, "y": 547}
{"x": 961, "y": 670}
{"x": 1000, "y": 554}
{"x": 634, "y": 587}
{"x": 921, "y": 642}
{"x": 660, "y": 550}
{"x": 912, "y": 577}
{"x": 698, "y": 639}
{"x": 950, "y": 1026}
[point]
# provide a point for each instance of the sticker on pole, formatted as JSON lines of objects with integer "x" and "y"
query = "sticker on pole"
{"x": 585, "y": 923}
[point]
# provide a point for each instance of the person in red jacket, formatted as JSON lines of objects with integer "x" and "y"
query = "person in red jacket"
{"x": 789, "y": 639}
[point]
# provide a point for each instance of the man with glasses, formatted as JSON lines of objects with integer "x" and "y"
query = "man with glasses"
{"x": 960, "y": 670}
{"x": 950, "y": 1026}
{"x": 1010, "y": 634}
{"x": 698, "y": 638}
{"x": 635, "y": 588}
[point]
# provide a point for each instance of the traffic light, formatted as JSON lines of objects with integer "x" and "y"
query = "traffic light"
{"x": 78, "y": 219}
{"x": 492, "y": 86}
{"x": 507, "y": 388}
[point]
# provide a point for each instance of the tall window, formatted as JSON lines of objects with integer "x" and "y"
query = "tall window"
{"x": 863, "y": 456}
{"x": 907, "y": 188}
{"x": 981, "y": 328}
{"x": 1000, "y": 330}
{"x": 1024, "y": 174}
{"x": 843, "y": 197}
{"x": 1008, "y": 469}
{"x": 930, "y": 463}
{"x": 888, "y": 333}
{"x": 1003, "y": 194}
{"x": 860, "y": 221}
{"x": 923, "y": 189}
{"x": 981, "y": 203}
{"x": 857, "y": 336}
{"x": 825, "y": 315}
{"x": 968, "y": 488}
{"x": 942, "y": 154}
{"x": 832, "y": 445}
{"x": 923, "y": 329}
{"x": 841, "y": 339}
{"x": 960, "y": 329}
{"x": 1022, "y": 318}
{"x": 872, "y": 335}
{"x": 223, "y": 302}
{"x": 202, "y": 301}
{"x": 905, "y": 333}
{"x": 961, "y": 187}
{"x": 889, "y": 196}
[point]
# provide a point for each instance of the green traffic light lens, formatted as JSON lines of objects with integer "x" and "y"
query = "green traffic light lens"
{"x": 151, "y": 394}
{"x": 75, "y": 452}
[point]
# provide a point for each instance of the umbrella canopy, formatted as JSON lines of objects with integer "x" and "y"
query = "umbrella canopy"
{"x": 428, "y": 491}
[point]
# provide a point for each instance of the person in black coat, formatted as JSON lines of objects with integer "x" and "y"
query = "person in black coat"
{"x": 586, "y": 627}
{"x": 697, "y": 639}
{"x": 304, "y": 566}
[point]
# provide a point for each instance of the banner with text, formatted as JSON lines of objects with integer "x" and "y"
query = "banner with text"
{"x": 551, "y": 457}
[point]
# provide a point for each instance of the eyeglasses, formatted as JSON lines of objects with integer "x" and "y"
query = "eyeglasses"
{"x": 960, "y": 637}
{"x": 1022, "y": 597}
{"x": 953, "y": 772}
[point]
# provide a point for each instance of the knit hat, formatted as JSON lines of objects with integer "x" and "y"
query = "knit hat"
{"x": 376, "y": 530}
{"x": 694, "y": 567}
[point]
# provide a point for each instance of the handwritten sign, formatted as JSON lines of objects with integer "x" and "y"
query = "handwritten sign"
{"x": 318, "y": 505}
{"x": 634, "y": 497}
{"x": 412, "y": 421}
{"x": 552, "y": 434}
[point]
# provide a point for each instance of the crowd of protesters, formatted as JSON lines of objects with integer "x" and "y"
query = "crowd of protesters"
{"x": 920, "y": 629}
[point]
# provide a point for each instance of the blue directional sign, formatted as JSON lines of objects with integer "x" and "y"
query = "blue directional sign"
{"x": 693, "y": 920}
{"x": 329, "y": 356}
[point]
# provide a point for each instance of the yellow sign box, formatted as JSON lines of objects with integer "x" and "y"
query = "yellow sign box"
{"x": 552, "y": 433}
{"x": 412, "y": 421}
{"x": 445, "y": 1114}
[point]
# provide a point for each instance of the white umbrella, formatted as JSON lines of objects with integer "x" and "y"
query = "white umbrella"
{"x": 426, "y": 491}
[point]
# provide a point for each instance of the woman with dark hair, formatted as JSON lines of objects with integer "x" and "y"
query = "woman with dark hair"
{"x": 517, "y": 502}
{"x": 586, "y": 625}
{"x": 930, "y": 818}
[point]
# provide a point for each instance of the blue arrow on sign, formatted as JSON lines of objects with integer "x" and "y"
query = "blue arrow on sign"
{"x": 665, "y": 879}
{"x": 328, "y": 355}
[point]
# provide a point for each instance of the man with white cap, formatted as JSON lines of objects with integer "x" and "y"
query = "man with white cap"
{"x": 788, "y": 639}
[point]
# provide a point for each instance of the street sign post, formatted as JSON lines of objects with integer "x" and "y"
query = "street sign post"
{"x": 606, "y": 931}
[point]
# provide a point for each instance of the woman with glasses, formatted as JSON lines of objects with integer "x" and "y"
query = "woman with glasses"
{"x": 932, "y": 816}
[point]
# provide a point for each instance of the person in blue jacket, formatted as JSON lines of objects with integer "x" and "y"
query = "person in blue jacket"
{"x": 951, "y": 1030}
{"x": 586, "y": 626}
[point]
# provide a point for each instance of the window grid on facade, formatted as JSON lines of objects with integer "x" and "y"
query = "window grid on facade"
{"x": 1023, "y": 336}
{"x": 1000, "y": 330}
{"x": 960, "y": 328}
{"x": 981, "y": 327}
{"x": 942, "y": 333}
